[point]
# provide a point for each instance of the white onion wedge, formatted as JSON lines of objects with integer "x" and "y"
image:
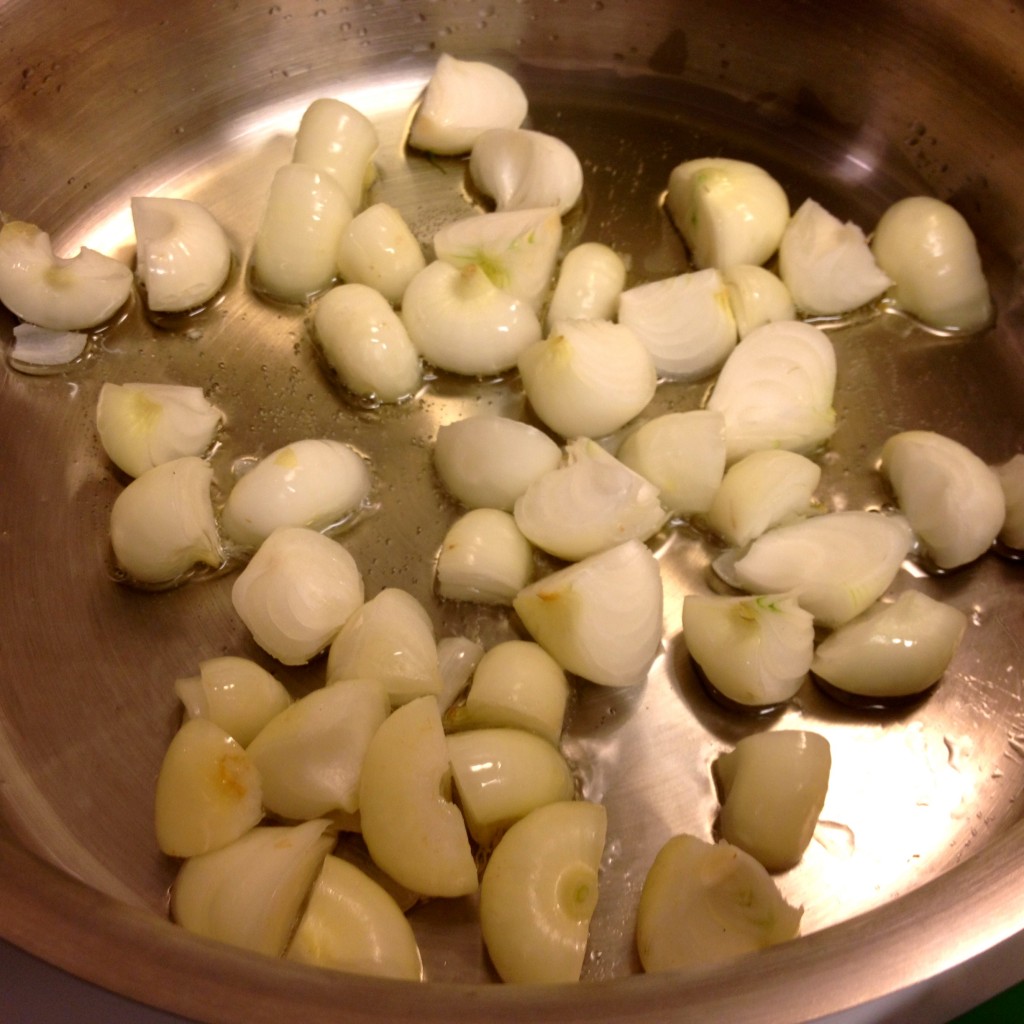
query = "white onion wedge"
{"x": 143, "y": 425}
{"x": 892, "y": 650}
{"x": 485, "y": 558}
{"x": 590, "y": 503}
{"x": 72, "y": 294}
{"x": 600, "y": 618}
{"x": 457, "y": 659}
{"x": 539, "y": 892}
{"x": 954, "y": 502}
{"x": 685, "y": 321}
{"x": 296, "y": 593}
{"x": 588, "y": 377}
{"x": 378, "y": 249}
{"x": 39, "y": 350}
{"x": 183, "y": 256}
{"x": 1011, "y": 479}
{"x": 773, "y": 789}
{"x": 590, "y": 280}
{"x": 462, "y": 100}
{"x": 756, "y": 297}
{"x": 704, "y": 904}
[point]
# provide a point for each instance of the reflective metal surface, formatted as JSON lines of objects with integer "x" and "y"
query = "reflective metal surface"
{"x": 918, "y": 863}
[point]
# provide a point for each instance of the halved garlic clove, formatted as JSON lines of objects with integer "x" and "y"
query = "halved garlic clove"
{"x": 59, "y": 294}
{"x": 1011, "y": 479}
{"x": 685, "y": 321}
{"x": 755, "y": 651}
{"x": 208, "y": 791}
{"x": 462, "y": 100}
{"x": 522, "y": 170}
{"x": 929, "y": 251}
{"x": 234, "y": 693}
{"x": 378, "y": 249}
{"x": 516, "y": 249}
{"x": 892, "y": 650}
{"x": 756, "y": 297}
{"x": 293, "y": 257}
{"x": 316, "y": 483}
{"x": 954, "y": 502}
{"x": 296, "y": 593}
{"x": 412, "y": 829}
{"x": 826, "y": 264}
{"x": 682, "y": 454}
{"x": 485, "y": 558}
{"x": 457, "y": 660}
{"x": 142, "y": 425}
{"x": 776, "y": 389}
{"x": 353, "y": 924}
{"x": 389, "y": 638}
{"x": 705, "y": 904}
{"x": 501, "y": 774}
{"x": 539, "y": 892}
{"x": 183, "y": 256}
{"x": 728, "y": 211}
{"x": 460, "y": 321}
{"x": 40, "y": 350}
{"x": 367, "y": 344}
{"x": 600, "y": 618}
{"x": 250, "y": 893}
{"x": 762, "y": 490}
{"x": 835, "y": 564}
{"x": 590, "y": 280}
{"x": 773, "y": 787}
{"x": 310, "y": 756}
{"x": 336, "y": 138}
{"x": 488, "y": 461}
{"x": 162, "y": 524}
{"x": 588, "y": 377}
{"x": 590, "y": 503}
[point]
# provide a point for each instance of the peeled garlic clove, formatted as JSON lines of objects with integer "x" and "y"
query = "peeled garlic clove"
{"x": 317, "y": 483}
{"x": 755, "y": 651}
{"x": 954, "y": 502}
{"x": 826, "y": 264}
{"x": 460, "y": 321}
{"x": 143, "y": 425}
{"x": 892, "y": 650}
{"x": 484, "y": 558}
{"x": 774, "y": 786}
{"x": 353, "y": 924}
{"x": 249, "y": 893}
{"x": 682, "y": 454}
{"x": 929, "y": 251}
{"x": 462, "y": 100}
{"x": 488, "y": 461}
{"x": 775, "y": 390}
{"x": 183, "y": 256}
{"x": 685, "y": 322}
{"x": 502, "y": 774}
{"x": 336, "y": 138}
{"x": 728, "y": 211}
{"x": 591, "y": 503}
{"x": 835, "y": 564}
{"x": 762, "y": 490}
{"x": 208, "y": 792}
{"x": 59, "y": 294}
{"x": 389, "y": 638}
{"x": 366, "y": 343}
{"x": 162, "y": 524}
{"x": 234, "y": 693}
{"x": 522, "y": 170}
{"x": 293, "y": 257}
{"x": 588, "y": 378}
{"x": 705, "y": 904}
{"x": 756, "y": 297}
{"x": 539, "y": 892}
{"x": 296, "y": 593}
{"x": 600, "y": 618}
{"x": 516, "y": 249}
{"x": 1011, "y": 479}
{"x": 590, "y": 281}
{"x": 311, "y": 754}
{"x": 457, "y": 659}
{"x": 412, "y": 829}
{"x": 378, "y": 249}
{"x": 40, "y": 350}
